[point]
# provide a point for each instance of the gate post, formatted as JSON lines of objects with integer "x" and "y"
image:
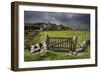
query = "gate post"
{"x": 74, "y": 43}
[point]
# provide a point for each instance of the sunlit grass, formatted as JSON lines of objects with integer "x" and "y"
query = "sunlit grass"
{"x": 82, "y": 35}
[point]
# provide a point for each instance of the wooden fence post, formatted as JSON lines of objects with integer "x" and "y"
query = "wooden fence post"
{"x": 74, "y": 43}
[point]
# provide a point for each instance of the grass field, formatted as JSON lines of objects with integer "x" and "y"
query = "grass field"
{"x": 40, "y": 38}
{"x": 80, "y": 34}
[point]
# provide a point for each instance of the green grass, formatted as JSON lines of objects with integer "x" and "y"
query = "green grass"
{"x": 40, "y": 38}
{"x": 55, "y": 55}
{"x": 80, "y": 34}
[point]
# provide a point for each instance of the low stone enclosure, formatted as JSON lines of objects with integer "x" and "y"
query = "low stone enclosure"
{"x": 61, "y": 44}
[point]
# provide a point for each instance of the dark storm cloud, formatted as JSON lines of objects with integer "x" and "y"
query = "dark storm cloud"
{"x": 66, "y": 19}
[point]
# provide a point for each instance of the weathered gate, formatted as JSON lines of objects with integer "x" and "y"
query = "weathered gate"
{"x": 61, "y": 44}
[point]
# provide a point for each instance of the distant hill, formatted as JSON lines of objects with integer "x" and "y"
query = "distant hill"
{"x": 48, "y": 27}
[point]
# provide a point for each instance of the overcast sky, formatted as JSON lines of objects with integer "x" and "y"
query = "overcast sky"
{"x": 67, "y": 19}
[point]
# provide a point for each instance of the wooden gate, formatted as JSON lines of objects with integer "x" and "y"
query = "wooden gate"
{"x": 61, "y": 44}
